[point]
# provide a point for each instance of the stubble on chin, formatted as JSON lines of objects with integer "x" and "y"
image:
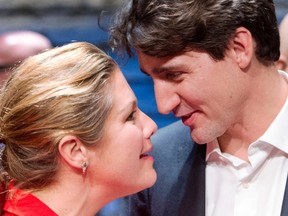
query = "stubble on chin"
{"x": 203, "y": 136}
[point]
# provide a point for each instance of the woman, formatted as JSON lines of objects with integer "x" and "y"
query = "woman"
{"x": 74, "y": 136}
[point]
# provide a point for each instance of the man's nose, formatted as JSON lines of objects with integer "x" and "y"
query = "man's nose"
{"x": 166, "y": 96}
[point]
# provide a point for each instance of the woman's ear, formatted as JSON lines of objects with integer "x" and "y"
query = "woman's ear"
{"x": 243, "y": 46}
{"x": 73, "y": 151}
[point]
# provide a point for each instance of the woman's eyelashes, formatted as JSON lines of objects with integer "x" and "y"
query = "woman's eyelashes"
{"x": 131, "y": 117}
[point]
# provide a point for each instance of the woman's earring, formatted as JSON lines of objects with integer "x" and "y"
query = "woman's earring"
{"x": 84, "y": 167}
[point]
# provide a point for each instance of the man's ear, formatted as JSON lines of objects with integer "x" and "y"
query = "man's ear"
{"x": 281, "y": 64}
{"x": 243, "y": 46}
{"x": 73, "y": 151}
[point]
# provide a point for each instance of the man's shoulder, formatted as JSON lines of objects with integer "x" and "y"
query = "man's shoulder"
{"x": 173, "y": 145}
{"x": 178, "y": 159}
{"x": 173, "y": 136}
{"x": 177, "y": 126}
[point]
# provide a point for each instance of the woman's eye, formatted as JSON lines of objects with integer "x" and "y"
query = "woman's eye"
{"x": 131, "y": 117}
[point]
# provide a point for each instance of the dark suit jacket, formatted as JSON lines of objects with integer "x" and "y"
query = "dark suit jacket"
{"x": 180, "y": 187}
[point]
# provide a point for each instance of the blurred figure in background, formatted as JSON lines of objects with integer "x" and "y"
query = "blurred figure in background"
{"x": 282, "y": 63}
{"x": 16, "y": 46}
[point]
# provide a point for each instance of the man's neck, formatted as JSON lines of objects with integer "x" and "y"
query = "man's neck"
{"x": 268, "y": 98}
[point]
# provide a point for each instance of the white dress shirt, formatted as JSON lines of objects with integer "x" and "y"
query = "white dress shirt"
{"x": 235, "y": 187}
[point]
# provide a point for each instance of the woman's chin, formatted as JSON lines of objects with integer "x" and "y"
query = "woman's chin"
{"x": 150, "y": 179}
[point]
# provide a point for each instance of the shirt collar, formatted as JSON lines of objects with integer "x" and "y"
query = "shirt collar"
{"x": 212, "y": 147}
{"x": 276, "y": 134}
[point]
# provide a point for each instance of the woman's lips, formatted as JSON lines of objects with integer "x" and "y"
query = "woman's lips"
{"x": 146, "y": 157}
{"x": 146, "y": 153}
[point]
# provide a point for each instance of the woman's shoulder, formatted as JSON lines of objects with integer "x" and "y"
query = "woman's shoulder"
{"x": 21, "y": 203}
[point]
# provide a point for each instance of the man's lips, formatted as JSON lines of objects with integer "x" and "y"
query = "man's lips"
{"x": 188, "y": 119}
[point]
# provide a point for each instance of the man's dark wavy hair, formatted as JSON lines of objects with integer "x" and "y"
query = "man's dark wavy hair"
{"x": 167, "y": 27}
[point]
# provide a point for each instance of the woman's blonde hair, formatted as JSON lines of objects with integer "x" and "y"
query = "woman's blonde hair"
{"x": 62, "y": 91}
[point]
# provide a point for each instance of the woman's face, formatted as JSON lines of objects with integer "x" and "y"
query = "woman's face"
{"x": 121, "y": 162}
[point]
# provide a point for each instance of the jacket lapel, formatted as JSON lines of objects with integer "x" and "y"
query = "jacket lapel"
{"x": 284, "y": 211}
{"x": 193, "y": 202}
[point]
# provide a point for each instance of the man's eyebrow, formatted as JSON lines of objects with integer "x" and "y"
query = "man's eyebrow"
{"x": 158, "y": 70}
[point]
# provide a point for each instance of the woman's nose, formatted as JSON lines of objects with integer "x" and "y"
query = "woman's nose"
{"x": 149, "y": 126}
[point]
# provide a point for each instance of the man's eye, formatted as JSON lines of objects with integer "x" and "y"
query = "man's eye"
{"x": 172, "y": 76}
{"x": 131, "y": 117}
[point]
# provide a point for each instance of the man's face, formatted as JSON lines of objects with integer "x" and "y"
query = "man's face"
{"x": 206, "y": 94}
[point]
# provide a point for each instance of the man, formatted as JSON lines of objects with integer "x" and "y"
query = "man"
{"x": 212, "y": 63}
{"x": 282, "y": 63}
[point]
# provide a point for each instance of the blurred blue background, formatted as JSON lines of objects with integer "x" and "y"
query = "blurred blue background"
{"x": 63, "y": 21}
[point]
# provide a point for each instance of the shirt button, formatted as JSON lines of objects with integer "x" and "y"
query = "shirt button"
{"x": 245, "y": 185}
